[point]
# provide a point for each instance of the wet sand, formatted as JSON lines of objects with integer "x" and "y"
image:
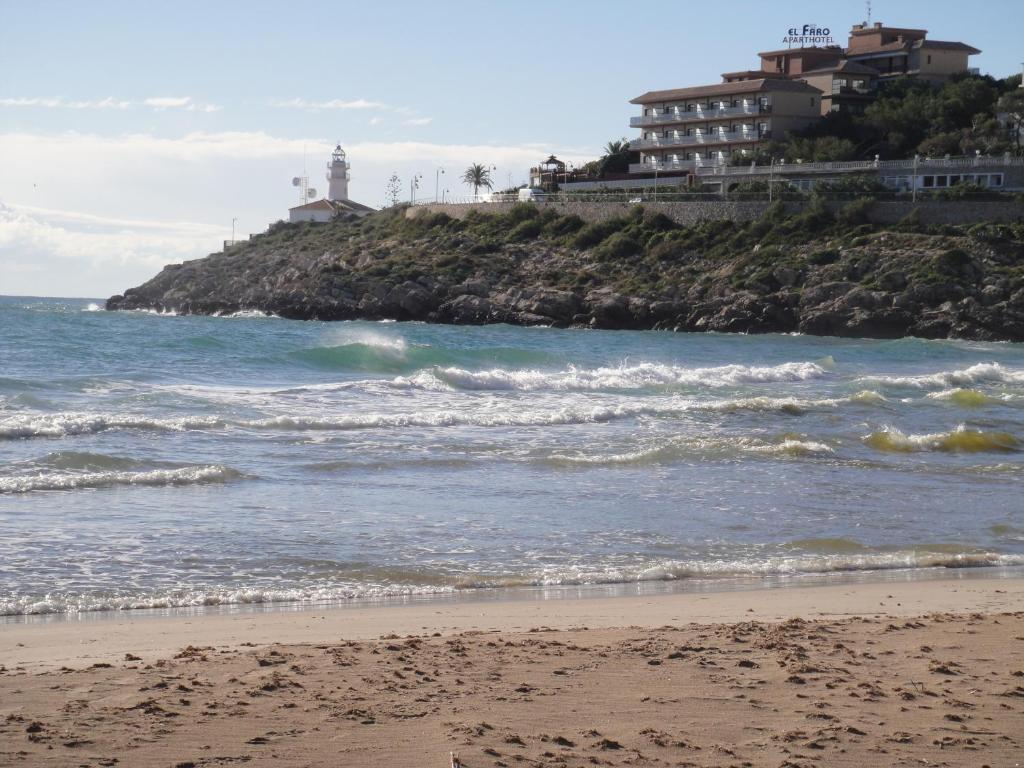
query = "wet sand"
{"x": 923, "y": 672}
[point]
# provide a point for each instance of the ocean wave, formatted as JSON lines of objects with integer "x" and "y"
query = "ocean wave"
{"x": 846, "y": 561}
{"x": 66, "y": 424}
{"x": 959, "y": 440}
{"x": 980, "y": 373}
{"x": 968, "y": 398}
{"x": 684, "y": 448}
{"x": 65, "y": 481}
{"x": 641, "y": 376}
{"x": 31, "y": 605}
{"x": 378, "y": 353}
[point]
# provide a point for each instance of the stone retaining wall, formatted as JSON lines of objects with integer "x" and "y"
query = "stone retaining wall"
{"x": 686, "y": 213}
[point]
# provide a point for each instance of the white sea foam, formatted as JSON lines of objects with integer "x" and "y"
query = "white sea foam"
{"x": 64, "y": 481}
{"x": 980, "y": 373}
{"x": 644, "y": 375}
{"x": 93, "y": 307}
{"x": 69, "y": 423}
{"x": 247, "y": 314}
{"x": 582, "y": 575}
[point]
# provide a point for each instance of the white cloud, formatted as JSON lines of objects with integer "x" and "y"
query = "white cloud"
{"x": 168, "y": 102}
{"x": 158, "y": 103}
{"x": 102, "y": 213}
{"x": 331, "y": 104}
{"x": 48, "y": 103}
{"x": 73, "y": 254}
{"x": 419, "y": 121}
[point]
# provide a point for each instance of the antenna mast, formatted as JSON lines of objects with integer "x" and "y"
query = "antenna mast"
{"x": 869, "y": 11}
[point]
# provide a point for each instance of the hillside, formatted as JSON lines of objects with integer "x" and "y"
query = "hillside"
{"x": 812, "y": 272}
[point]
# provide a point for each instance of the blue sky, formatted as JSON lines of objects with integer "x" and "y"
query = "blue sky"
{"x": 132, "y": 133}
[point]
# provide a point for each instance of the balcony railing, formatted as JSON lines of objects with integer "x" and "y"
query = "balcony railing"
{"x": 722, "y": 137}
{"x": 682, "y": 116}
{"x": 676, "y": 165}
{"x": 922, "y": 164}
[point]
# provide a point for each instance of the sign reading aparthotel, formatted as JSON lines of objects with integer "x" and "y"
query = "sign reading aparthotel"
{"x": 809, "y": 34}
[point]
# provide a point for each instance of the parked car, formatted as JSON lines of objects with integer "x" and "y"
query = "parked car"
{"x": 532, "y": 194}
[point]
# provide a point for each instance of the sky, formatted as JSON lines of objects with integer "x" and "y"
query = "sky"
{"x": 133, "y": 134}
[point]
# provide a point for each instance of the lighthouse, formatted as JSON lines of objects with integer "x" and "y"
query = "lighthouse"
{"x": 337, "y": 175}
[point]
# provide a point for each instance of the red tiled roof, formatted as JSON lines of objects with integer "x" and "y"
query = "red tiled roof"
{"x": 726, "y": 89}
{"x": 846, "y": 67}
{"x": 316, "y": 205}
{"x": 943, "y": 45}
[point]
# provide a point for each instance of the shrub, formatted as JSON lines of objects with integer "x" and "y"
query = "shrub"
{"x": 560, "y": 226}
{"x": 856, "y": 212}
{"x": 594, "y": 233}
{"x": 525, "y": 230}
{"x": 522, "y": 212}
{"x": 618, "y": 246}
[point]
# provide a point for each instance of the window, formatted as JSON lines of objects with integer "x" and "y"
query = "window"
{"x": 928, "y": 181}
{"x": 812, "y": 101}
{"x": 941, "y": 181}
{"x": 996, "y": 180}
{"x": 954, "y": 180}
{"x": 929, "y": 58}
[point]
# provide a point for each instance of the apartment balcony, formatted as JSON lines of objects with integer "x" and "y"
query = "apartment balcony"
{"x": 850, "y": 90}
{"x": 721, "y": 137}
{"x": 662, "y": 118}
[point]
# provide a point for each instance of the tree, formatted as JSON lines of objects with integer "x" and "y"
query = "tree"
{"x": 1011, "y": 106}
{"x": 477, "y": 176}
{"x": 615, "y": 158}
{"x": 393, "y": 188}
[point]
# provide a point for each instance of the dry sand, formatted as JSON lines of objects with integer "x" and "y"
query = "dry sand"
{"x": 922, "y": 673}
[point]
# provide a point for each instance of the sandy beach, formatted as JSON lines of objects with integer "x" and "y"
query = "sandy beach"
{"x": 920, "y": 672}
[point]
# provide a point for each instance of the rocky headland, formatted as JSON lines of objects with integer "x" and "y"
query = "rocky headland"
{"x": 816, "y": 271}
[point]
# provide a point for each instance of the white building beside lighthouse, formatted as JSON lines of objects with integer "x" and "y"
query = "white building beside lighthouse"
{"x": 337, "y": 202}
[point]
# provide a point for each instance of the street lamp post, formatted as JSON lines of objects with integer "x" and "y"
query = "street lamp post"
{"x": 913, "y": 186}
{"x": 656, "y": 164}
{"x": 414, "y": 184}
{"x": 233, "y": 230}
{"x": 437, "y": 180}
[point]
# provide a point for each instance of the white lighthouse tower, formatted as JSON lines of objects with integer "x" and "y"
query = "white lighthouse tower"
{"x": 337, "y": 175}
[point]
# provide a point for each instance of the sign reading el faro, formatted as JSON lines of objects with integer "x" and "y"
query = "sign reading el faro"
{"x": 809, "y": 34}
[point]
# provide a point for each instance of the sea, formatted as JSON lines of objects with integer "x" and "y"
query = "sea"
{"x": 159, "y": 462}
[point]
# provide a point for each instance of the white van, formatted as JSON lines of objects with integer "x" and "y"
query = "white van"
{"x": 532, "y": 194}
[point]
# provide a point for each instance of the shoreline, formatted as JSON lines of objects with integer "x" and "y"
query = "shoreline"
{"x": 151, "y": 635}
{"x": 913, "y": 672}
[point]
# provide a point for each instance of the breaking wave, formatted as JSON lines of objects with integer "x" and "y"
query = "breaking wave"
{"x": 980, "y": 373}
{"x": 65, "y": 481}
{"x": 626, "y": 377}
{"x": 436, "y": 585}
{"x": 64, "y": 424}
{"x": 959, "y": 440}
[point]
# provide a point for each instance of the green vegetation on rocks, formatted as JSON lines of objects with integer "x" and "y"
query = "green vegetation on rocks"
{"x": 813, "y": 271}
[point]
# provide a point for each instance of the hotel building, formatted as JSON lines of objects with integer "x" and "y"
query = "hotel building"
{"x": 706, "y": 126}
{"x": 689, "y": 128}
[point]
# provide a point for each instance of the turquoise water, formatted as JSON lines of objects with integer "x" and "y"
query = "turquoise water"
{"x": 153, "y": 461}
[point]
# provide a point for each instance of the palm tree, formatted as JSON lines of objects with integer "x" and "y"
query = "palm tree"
{"x": 477, "y": 176}
{"x": 615, "y": 158}
{"x": 616, "y": 147}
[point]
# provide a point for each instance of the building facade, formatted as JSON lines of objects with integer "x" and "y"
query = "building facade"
{"x": 924, "y": 174}
{"x": 688, "y": 128}
{"x": 708, "y": 125}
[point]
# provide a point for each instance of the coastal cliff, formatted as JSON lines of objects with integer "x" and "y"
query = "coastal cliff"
{"x": 814, "y": 271}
